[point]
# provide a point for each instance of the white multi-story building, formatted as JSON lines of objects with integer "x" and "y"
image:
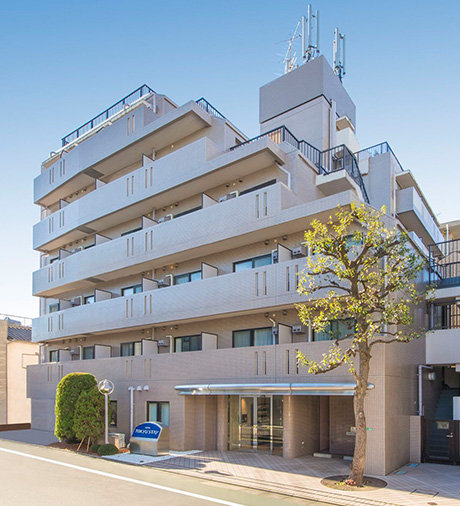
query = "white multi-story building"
{"x": 170, "y": 248}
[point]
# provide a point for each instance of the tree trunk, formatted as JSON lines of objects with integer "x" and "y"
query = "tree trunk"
{"x": 359, "y": 457}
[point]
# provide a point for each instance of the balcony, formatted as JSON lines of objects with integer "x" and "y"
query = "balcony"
{"x": 254, "y": 290}
{"x": 118, "y": 145}
{"x": 415, "y": 216}
{"x": 271, "y": 211}
{"x": 197, "y": 167}
{"x": 445, "y": 264}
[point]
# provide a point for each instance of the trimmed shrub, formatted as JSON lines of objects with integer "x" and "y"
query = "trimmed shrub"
{"x": 67, "y": 393}
{"x": 94, "y": 448}
{"x": 107, "y": 450}
{"x": 89, "y": 417}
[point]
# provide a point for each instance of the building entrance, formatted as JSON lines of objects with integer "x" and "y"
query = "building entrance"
{"x": 256, "y": 423}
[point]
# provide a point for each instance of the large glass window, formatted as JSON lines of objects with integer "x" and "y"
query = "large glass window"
{"x": 187, "y": 277}
{"x": 54, "y": 356}
{"x": 88, "y": 352}
{"x": 131, "y": 349}
{"x": 253, "y": 337}
{"x": 113, "y": 413}
{"x": 131, "y": 290}
{"x": 158, "y": 412}
{"x": 187, "y": 343}
{"x": 252, "y": 263}
{"x": 336, "y": 329}
{"x": 53, "y": 307}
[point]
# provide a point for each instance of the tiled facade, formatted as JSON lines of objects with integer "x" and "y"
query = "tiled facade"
{"x": 161, "y": 193}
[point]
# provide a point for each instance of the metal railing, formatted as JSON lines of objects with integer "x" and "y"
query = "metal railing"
{"x": 108, "y": 113}
{"x": 341, "y": 158}
{"x": 16, "y": 320}
{"x": 445, "y": 316}
{"x": 210, "y": 109}
{"x": 445, "y": 263}
{"x": 376, "y": 150}
{"x": 282, "y": 134}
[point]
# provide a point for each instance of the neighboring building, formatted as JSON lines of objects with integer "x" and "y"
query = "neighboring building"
{"x": 16, "y": 353}
{"x": 170, "y": 249}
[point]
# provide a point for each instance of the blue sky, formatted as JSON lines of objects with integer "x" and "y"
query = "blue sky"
{"x": 63, "y": 62}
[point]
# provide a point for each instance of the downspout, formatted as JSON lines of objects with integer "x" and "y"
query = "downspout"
{"x": 131, "y": 410}
{"x": 420, "y": 387}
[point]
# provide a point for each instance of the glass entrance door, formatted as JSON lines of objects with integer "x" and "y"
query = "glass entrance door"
{"x": 260, "y": 423}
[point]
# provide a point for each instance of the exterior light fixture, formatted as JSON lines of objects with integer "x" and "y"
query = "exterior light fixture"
{"x": 106, "y": 387}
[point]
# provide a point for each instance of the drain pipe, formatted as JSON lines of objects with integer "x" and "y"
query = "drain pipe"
{"x": 420, "y": 387}
{"x": 131, "y": 410}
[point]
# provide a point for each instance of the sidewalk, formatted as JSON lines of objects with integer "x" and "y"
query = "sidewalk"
{"x": 412, "y": 485}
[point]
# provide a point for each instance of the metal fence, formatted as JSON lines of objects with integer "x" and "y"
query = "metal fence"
{"x": 376, "y": 150}
{"x": 210, "y": 109}
{"x": 108, "y": 113}
{"x": 445, "y": 263}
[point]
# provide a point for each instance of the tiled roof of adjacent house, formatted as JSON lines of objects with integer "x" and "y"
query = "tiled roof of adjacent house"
{"x": 19, "y": 333}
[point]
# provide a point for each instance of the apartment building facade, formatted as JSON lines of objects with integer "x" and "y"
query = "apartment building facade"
{"x": 170, "y": 249}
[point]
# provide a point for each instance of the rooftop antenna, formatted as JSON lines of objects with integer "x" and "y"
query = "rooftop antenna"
{"x": 290, "y": 59}
{"x": 310, "y": 35}
{"x": 339, "y": 54}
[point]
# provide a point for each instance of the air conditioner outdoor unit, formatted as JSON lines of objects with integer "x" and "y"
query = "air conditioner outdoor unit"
{"x": 161, "y": 342}
{"x": 299, "y": 329}
{"x": 299, "y": 251}
{"x": 76, "y": 250}
{"x": 166, "y": 281}
{"x": 75, "y": 351}
{"x": 229, "y": 196}
{"x": 168, "y": 217}
{"x": 274, "y": 256}
{"x": 78, "y": 301}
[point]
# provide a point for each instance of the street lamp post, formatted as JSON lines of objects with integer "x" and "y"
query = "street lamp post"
{"x": 106, "y": 387}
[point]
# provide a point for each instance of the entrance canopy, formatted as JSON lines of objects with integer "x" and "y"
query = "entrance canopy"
{"x": 270, "y": 389}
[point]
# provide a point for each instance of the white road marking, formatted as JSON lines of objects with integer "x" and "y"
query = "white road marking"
{"x": 123, "y": 478}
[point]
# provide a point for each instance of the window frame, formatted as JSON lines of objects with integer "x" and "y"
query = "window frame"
{"x": 131, "y": 343}
{"x": 252, "y": 337}
{"x": 88, "y": 297}
{"x": 330, "y": 330}
{"x": 88, "y": 348}
{"x": 147, "y": 403}
{"x": 189, "y": 277}
{"x": 137, "y": 288}
{"x": 113, "y": 413}
{"x": 188, "y": 337}
{"x": 268, "y": 255}
{"x": 52, "y": 354}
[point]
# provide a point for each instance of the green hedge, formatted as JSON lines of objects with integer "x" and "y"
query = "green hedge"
{"x": 68, "y": 391}
{"x": 108, "y": 449}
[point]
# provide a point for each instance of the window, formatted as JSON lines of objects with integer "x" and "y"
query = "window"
{"x": 131, "y": 349}
{"x": 88, "y": 352}
{"x": 258, "y": 187}
{"x": 91, "y": 299}
{"x": 253, "y": 337}
{"x": 131, "y": 231}
{"x": 113, "y": 413}
{"x": 252, "y": 263}
{"x": 336, "y": 329}
{"x": 188, "y": 343}
{"x": 54, "y": 356}
{"x": 53, "y": 308}
{"x": 158, "y": 412}
{"x": 183, "y": 213}
{"x": 187, "y": 277}
{"x": 131, "y": 290}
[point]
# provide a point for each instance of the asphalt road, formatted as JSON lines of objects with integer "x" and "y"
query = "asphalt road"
{"x": 42, "y": 476}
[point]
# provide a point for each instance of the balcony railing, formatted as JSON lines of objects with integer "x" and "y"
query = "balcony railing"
{"x": 341, "y": 158}
{"x": 376, "y": 150}
{"x": 445, "y": 263}
{"x": 445, "y": 316}
{"x": 282, "y": 134}
{"x": 108, "y": 113}
{"x": 210, "y": 109}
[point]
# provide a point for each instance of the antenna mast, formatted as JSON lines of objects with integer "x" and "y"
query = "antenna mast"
{"x": 339, "y": 54}
{"x": 290, "y": 59}
{"x": 310, "y": 35}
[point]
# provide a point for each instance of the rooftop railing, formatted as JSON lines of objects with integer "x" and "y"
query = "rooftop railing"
{"x": 376, "y": 150}
{"x": 445, "y": 263}
{"x": 108, "y": 113}
{"x": 16, "y": 320}
{"x": 210, "y": 109}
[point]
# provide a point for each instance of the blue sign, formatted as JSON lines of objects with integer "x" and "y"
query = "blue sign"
{"x": 148, "y": 430}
